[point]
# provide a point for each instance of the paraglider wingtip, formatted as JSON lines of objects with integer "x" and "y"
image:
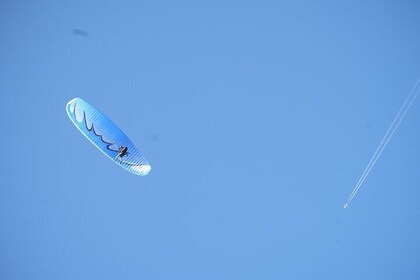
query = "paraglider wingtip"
{"x": 72, "y": 101}
{"x": 142, "y": 169}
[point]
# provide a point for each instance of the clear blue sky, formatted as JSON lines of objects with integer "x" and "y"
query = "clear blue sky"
{"x": 258, "y": 118}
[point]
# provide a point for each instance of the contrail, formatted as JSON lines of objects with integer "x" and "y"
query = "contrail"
{"x": 384, "y": 142}
{"x": 395, "y": 123}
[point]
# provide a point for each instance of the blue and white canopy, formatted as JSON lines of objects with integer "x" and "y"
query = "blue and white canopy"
{"x": 106, "y": 136}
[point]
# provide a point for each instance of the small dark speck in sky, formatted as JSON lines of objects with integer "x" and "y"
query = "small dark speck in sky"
{"x": 80, "y": 32}
{"x": 153, "y": 137}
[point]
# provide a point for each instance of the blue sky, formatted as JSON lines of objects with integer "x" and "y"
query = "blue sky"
{"x": 258, "y": 118}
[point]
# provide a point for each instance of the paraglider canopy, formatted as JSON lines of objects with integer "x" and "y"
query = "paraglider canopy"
{"x": 106, "y": 136}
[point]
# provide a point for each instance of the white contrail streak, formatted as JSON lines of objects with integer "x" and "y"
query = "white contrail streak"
{"x": 395, "y": 123}
{"x": 384, "y": 142}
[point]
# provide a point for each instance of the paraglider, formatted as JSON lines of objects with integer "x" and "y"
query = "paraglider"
{"x": 122, "y": 152}
{"x": 106, "y": 136}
